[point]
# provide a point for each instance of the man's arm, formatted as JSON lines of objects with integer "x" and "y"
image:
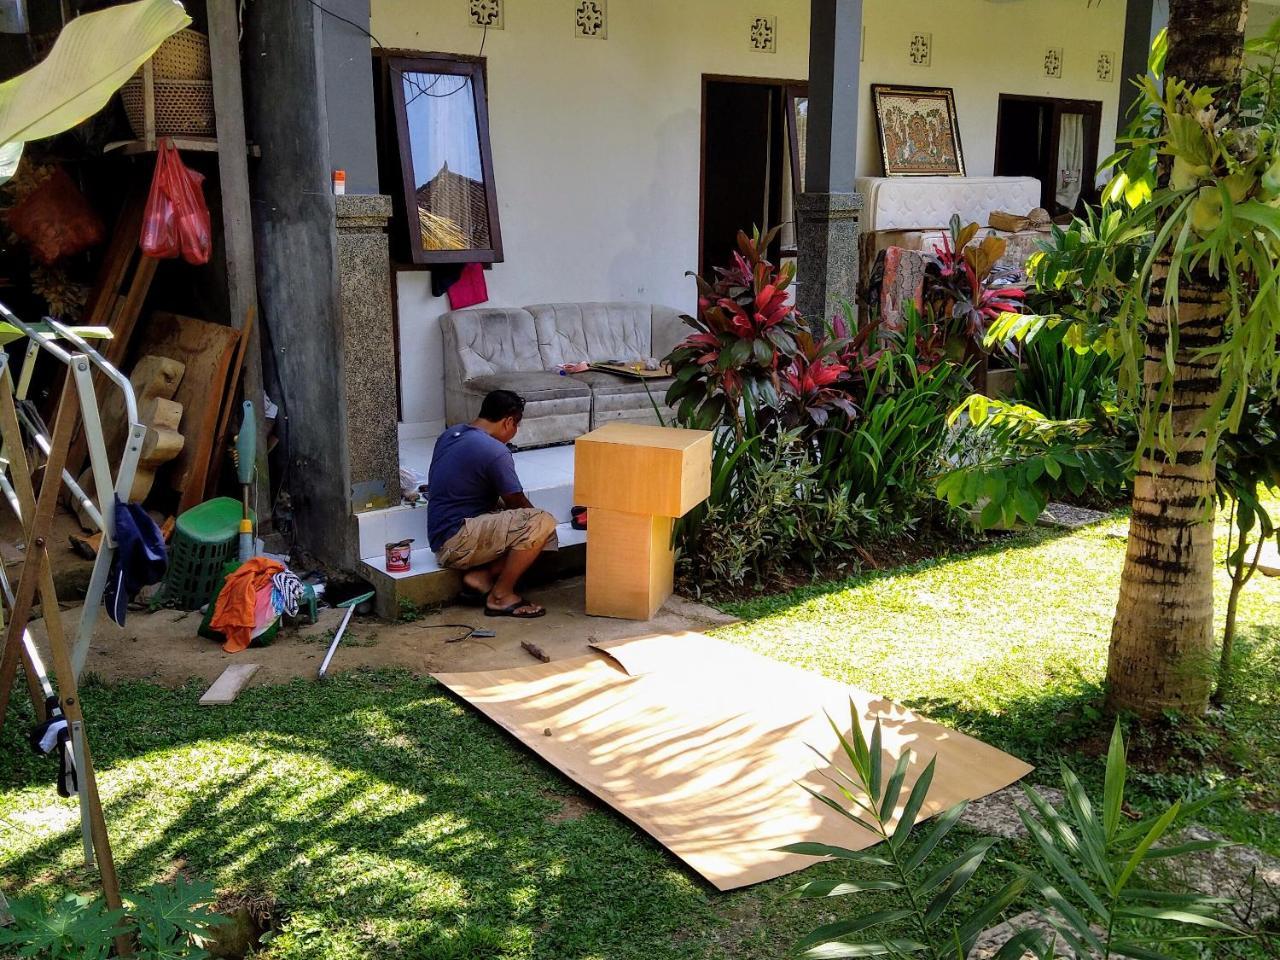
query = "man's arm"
{"x": 508, "y": 483}
{"x": 516, "y": 501}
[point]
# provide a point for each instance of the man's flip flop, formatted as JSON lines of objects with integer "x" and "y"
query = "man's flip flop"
{"x": 510, "y": 611}
{"x": 471, "y": 597}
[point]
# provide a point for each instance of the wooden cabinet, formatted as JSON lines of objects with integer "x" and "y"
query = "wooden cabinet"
{"x": 636, "y": 480}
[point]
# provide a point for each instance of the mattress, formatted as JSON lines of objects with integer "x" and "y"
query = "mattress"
{"x": 921, "y": 203}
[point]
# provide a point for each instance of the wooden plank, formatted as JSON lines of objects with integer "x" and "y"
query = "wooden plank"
{"x": 118, "y": 257}
{"x": 122, "y": 320}
{"x": 228, "y": 686}
{"x": 207, "y": 350}
{"x": 237, "y": 217}
{"x": 228, "y": 404}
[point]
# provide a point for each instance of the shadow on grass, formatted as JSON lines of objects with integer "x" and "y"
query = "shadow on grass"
{"x": 384, "y": 818}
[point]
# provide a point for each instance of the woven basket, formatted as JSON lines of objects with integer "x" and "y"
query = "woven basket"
{"x": 183, "y": 107}
{"x": 184, "y": 56}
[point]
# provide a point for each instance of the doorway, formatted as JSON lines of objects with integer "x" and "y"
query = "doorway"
{"x": 1055, "y": 141}
{"x": 752, "y": 139}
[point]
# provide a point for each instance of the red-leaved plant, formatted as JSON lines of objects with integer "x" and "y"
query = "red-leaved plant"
{"x": 744, "y": 336}
{"x": 958, "y": 288}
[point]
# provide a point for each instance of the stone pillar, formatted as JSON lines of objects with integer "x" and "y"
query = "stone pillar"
{"x": 827, "y": 238}
{"x": 1143, "y": 19}
{"x": 368, "y": 351}
{"x": 827, "y": 212}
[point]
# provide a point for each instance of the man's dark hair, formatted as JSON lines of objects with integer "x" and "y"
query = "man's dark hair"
{"x": 500, "y": 404}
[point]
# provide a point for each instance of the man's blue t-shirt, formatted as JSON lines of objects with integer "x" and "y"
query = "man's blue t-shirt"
{"x": 470, "y": 470}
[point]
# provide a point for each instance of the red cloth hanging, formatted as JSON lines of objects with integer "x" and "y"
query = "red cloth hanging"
{"x": 469, "y": 289}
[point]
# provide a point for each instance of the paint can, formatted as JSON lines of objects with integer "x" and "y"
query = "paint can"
{"x": 398, "y": 556}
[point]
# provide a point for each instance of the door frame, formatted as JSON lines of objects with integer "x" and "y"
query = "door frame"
{"x": 788, "y": 89}
{"x": 1060, "y": 105}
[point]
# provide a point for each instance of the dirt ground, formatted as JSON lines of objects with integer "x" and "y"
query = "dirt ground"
{"x": 163, "y": 647}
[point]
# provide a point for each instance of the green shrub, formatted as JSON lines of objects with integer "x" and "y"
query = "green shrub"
{"x": 1092, "y": 889}
{"x": 165, "y": 922}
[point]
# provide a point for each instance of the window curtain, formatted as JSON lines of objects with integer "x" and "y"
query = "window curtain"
{"x": 1070, "y": 159}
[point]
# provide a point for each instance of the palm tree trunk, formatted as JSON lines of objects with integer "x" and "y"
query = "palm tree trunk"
{"x": 1162, "y": 642}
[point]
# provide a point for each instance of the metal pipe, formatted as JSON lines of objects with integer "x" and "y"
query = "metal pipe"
{"x": 101, "y": 362}
{"x": 43, "y": 445}
{"x": 36, "y": 335}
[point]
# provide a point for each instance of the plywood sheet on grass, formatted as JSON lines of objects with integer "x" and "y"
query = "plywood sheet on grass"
{"x": 701, "y": 743}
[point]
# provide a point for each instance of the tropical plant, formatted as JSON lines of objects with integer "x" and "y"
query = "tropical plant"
{"x": 168, "y": 922}
{"x": 744, "y": 338}
{"x": 92, "y": 58}
{"x": 1194, "y": 321}
{"x": 1095, "y": 860}
{"x": 77, "y": 928}
{"x": 1011, "y": 459}
{"x": 1248, "y": 461}
{"x": 959, "y": 291}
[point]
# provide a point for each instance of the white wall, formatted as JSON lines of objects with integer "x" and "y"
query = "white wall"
{"x": 596, "y": 143}
{"x": 982, "y": 49}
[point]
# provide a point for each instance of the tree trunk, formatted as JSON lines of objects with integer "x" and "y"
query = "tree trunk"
{"x": 1162, "y": 642}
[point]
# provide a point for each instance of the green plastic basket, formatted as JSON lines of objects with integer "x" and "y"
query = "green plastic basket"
{"x": 205, "y": 538}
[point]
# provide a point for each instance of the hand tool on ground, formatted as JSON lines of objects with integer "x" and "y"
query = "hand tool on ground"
{"x": 246, "y": 459}
{"x": 350, "y": 606}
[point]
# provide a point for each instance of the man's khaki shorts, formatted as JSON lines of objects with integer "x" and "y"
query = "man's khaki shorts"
{"x": 485, "y": 538}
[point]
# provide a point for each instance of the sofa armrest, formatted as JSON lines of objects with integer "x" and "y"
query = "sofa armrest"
{"x": 667, "y": 331}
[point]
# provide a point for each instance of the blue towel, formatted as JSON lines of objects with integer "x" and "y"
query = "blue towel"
{"x": 141, "y": 558}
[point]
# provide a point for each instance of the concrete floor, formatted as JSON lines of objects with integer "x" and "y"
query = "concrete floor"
{"x": 163, "y": 646}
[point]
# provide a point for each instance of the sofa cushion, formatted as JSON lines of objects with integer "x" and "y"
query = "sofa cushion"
{"x": 536, "y": 386}
{"x": 586, "y": 332}
{"x": 486, "y": 340}
{"x": 606, "y": 384}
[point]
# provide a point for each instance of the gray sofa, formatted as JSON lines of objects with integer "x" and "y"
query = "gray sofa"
{"x": 520, "y": 349}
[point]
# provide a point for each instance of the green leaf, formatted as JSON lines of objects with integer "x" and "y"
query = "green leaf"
{"x": 887, "y": 948}
{"x": 941, "y": 827}
{"x": 944, "y": 872}
{"x": 972, "y": 928}
{"x": 1113, "y": 784}
{"x": 970, "y": 861}
{"x": 1155, "y": 833}
{"x": 875, "y": 753}
{"x": 10, "y": 155}
{"x": 843, "y": 928}
{"x": 889, "y": 802}
{"x": 809, "y": 849}
{"x": 92, "y": 58}
{"x": 1035, "y": 941}
{"x": 816, "y": 889}
{"x": 914, "y": 802}
{"x": 1174, "y": 916}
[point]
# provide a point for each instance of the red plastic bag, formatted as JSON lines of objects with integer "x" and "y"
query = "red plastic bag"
{"x": 176, "y": 219}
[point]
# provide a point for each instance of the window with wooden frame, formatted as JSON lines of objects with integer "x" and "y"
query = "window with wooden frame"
{"x": 445, "y": 161}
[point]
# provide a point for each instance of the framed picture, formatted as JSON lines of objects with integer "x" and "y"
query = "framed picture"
{"x": 442, "y": 125}
{"x": 919, "y": 135}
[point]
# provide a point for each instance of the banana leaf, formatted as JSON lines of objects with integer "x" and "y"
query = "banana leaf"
{"x": 92, "y": 58}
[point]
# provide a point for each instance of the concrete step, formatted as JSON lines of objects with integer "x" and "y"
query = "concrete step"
{"x": 547, "y": 477}
{"x": 426, "y": 583}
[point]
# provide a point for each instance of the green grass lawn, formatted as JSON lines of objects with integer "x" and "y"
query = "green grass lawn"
{"x": 388, "y": 820}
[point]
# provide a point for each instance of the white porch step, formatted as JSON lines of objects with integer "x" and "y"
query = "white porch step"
{"x": 423, "y": 561}
{"x": 547, "y": 477}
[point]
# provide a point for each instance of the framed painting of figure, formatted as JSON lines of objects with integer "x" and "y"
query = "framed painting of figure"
{"x": 919, "y": 134}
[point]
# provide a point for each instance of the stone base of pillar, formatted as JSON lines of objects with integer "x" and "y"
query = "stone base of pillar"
{"x": 368, "y": 351}
{"x": 827, "y": 227}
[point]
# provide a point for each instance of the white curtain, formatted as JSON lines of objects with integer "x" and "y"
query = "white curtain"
{"x": 1070, "y": 159}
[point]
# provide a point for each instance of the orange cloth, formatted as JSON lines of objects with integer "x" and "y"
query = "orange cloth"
{"x": 234, "y": 613}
